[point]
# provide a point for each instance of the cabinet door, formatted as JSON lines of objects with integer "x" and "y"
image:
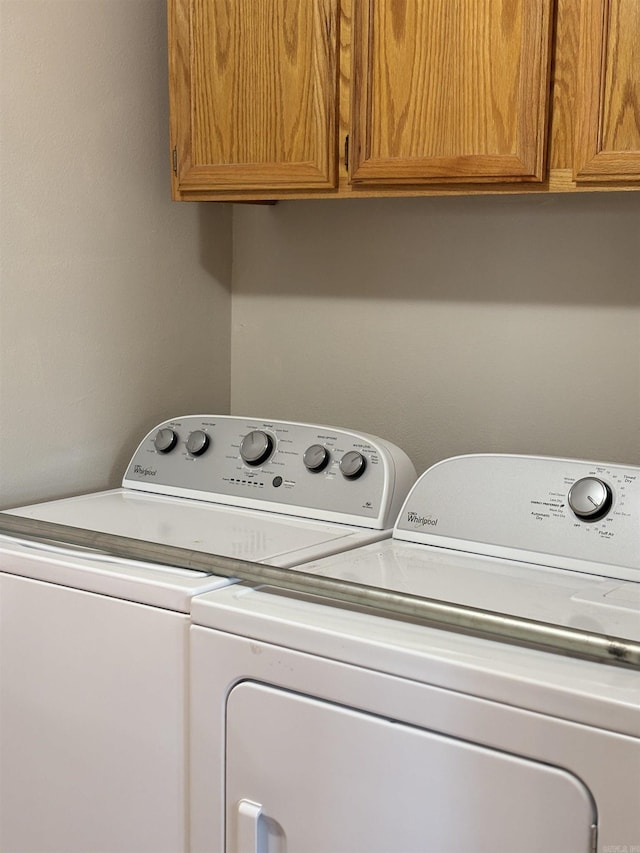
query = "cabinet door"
{"x": 253, "y": 94}
{"x": 449, "y": 90}
{"x": 608, "y": 93}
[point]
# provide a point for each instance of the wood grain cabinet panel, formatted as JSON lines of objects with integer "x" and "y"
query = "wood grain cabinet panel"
{"x": 608, "y": 92}
{"x": 276, "y": 99}
{"x": 450, "y": 90}
{"x": 253, "y": 94}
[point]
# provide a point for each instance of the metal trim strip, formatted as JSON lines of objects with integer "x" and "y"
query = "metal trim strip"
{"x": 476, "y": 621}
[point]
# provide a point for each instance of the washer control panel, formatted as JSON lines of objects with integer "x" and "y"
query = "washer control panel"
{"x": 555, "y": 512}
{"x": 300, "y": 469}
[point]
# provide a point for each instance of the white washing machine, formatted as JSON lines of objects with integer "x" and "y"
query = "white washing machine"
{"x": 470, "y": 685}
{"x": 94, "y": 651}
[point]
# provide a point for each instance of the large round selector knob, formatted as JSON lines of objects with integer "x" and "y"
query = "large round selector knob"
{"x": 316, "y": 458}
{"x": 352, "y": 465}
{"x": 256, "y": 447}
{"x": 590, "y": 498}
{"x": 197, "y": 442}
{"x": 165, "y": 440}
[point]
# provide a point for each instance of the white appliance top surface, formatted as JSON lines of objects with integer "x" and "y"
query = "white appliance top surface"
{"x": 259, "y": 536}
{"x": 552, "y": 541}
{"x": 212, "y": 528}
{"x": 570, "y": 599}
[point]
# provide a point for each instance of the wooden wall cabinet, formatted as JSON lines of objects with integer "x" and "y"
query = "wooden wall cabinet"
{"x": 348, "y": 98}
{"x": 253, "y": 94}
{"x": 446, "y": 91}
{"x": 608, "y": 93}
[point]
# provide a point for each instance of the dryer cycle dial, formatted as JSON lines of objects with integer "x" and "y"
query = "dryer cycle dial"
{"x": 590, "y": 498}
{"x": 256, "y": 447}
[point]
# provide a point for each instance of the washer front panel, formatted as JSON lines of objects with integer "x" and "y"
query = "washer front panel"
{"x": 92, "y": 722}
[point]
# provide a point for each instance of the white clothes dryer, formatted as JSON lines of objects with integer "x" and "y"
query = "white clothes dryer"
{"x": 94, "y": 651}
{"x": 470, "y": 685}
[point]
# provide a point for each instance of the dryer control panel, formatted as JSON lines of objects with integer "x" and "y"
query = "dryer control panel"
{"x": 567, "y": 513}
{"x": 308, "y": 470}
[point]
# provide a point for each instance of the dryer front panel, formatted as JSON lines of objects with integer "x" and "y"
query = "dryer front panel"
{"x": 307, "y": 775}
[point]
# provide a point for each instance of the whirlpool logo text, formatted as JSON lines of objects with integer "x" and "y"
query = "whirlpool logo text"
{"x": 420, "y": 520}
{"x": 146, "y": 472}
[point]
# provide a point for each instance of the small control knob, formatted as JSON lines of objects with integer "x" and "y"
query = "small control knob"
{"x": 256, "y": 447}
{"x": 353, "y": 464}
{"x": 197, "y": 442}
{"x": 165, "y": 440}
{"x": 316, "y": 458}
{"x": 590, "y": 498}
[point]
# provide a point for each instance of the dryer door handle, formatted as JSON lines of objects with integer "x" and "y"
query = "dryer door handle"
{"x": 247, "y": 827}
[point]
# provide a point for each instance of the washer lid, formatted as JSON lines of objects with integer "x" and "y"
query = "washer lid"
{"x": 278, "y": 540}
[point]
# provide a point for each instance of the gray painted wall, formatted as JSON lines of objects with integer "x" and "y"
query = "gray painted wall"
{"x": 114, "y": 313}
{"x": 448, "y": 325}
